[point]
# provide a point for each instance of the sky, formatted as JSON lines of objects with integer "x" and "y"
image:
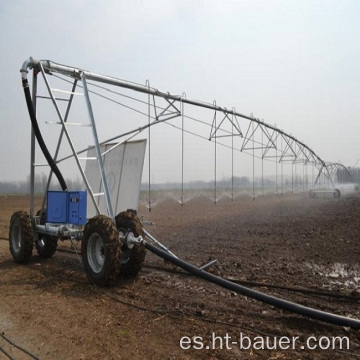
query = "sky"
{"x": 293, "y": 63}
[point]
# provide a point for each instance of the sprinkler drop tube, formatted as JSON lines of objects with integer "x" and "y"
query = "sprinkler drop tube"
{"x": 269, "y": 299}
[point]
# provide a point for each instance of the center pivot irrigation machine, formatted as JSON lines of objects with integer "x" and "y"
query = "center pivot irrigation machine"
{"x": 102, "y": 215}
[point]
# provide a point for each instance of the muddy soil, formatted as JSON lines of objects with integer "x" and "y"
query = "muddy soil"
{"x": 49, "y": 307}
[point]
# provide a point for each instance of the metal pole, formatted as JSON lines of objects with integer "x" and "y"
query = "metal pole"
{"x": 98, "y": 151}
{"x": 232, "y": 157}
{"x": 32, "y": 152}
{"x": 311, "y": 175}
{"x": 182, "y": 150}
{"x": 215, "y": 156}
{"x": 262, "y": 164}
{"x": 282, "y": 167}
{"x": 253, "y": 158}
{"x": 276, "y": 167}
{"x": 304, "y": 177}
{"x": 149, "y": 131}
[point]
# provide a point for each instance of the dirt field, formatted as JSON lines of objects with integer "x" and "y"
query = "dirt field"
{"x": 49, "y": 307}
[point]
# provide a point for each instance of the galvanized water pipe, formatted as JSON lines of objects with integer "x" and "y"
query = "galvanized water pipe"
{"x": 51, "y": 66}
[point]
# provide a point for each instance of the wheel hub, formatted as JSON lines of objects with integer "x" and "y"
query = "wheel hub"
{"x": 96, "y": 253}
{"x": 16, "y": 238}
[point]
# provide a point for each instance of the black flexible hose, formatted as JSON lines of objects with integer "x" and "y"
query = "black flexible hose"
{"x": 259, "y": 284}
{"x": 257, "y": 295}
{"x": 18, "y": 347}
{"x": 39, "y": 137}
{"x": 7, "y": 354}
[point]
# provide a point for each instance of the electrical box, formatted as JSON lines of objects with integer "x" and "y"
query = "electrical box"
{"x": 67, "y": 207}
{"x": 56, "y": 206}
{"x": 77, "y": 207}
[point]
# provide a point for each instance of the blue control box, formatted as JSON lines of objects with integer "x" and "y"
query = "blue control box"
{"x": 67, "y": 207}
{"x": 56, "y": 206}
{"x": 77, "y": 207}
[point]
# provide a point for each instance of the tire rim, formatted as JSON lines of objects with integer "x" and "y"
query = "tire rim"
{"x": 96, "y": 253}
{"x": 16, "y": 237}
{"x": 125, "y": 249}
{"x": 125, "y": 255}
{"x": 41, "y": 243}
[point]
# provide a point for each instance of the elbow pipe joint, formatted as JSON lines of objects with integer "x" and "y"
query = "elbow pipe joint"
{"x": 28, "y": 64}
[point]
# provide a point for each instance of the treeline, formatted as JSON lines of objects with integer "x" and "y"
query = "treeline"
{"x": 242, "y": 181}
{"x": 348, "y": 175}
{"x": 23, "y": 187}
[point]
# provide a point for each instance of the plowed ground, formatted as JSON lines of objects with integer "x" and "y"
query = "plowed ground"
{"x": 50, "y": 308}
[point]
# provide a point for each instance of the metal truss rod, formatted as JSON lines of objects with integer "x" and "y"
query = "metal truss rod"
{"x": 77, "y": 73}
{"x": 65, "y": 131}
{"x": 98, "y": 151}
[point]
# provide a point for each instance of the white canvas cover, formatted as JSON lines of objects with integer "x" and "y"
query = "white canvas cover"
{"x": 123, "y": 166}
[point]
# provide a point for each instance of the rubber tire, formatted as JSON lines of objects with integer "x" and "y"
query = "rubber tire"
{"x": 49, "y": 246}
{"x": 21, "y": 237}
{"x": 131, "y": 259}
{"x": 101, "y": 231}
{"x": 48, "y": 249}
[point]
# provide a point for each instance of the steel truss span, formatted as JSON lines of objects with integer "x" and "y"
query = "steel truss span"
{"x": 226, "y": 128}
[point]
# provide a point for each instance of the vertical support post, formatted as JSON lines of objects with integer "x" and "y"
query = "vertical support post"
{"x": 304, "y": 176}
{"x": 232, "y": 155}
{"x": 97, "y": 150}
{"x": 276, "y": 167}
{"x": 32, "y": 152}
{"x": 182, "y": 149}
{"x": 149, "y": 148}
{"x": 215, "y": 194}
{"x": 282, "y": 168}
{"x": 262, "y": 163}
{"x": 253, "y": 158}
{"x": 311, "y": 175}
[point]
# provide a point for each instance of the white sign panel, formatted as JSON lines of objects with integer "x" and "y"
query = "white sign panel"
{"x": 123, "y": 166}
